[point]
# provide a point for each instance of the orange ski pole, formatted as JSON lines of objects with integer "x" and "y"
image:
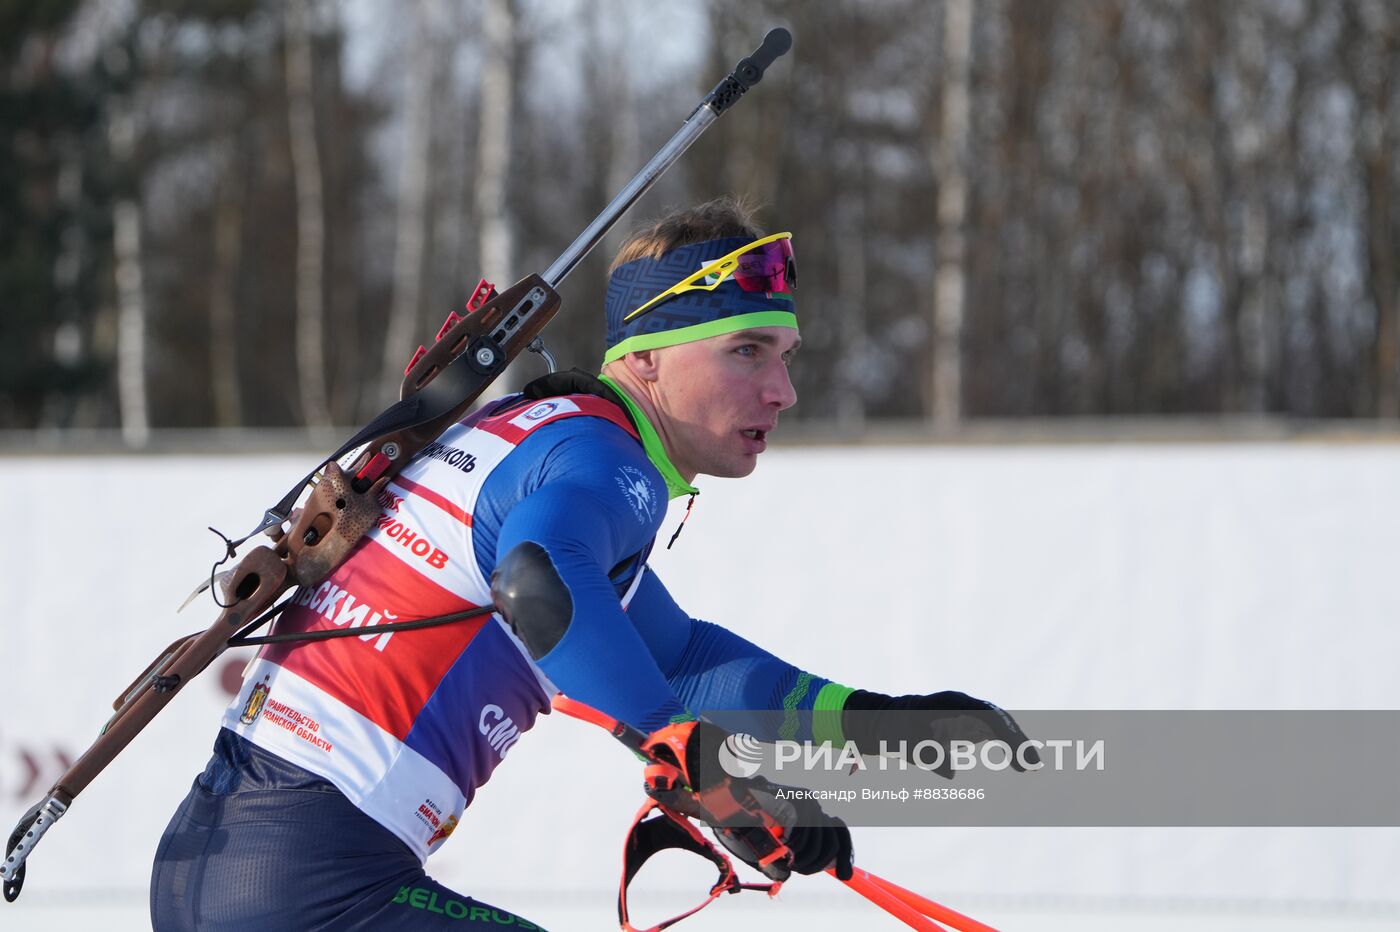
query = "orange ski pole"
{"x": 916, "y": 911}
{"x": 862, "y": 883}
{"x": 910, "y": 904}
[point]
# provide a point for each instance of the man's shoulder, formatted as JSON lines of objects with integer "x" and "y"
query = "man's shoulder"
{"x": 568, "y": 420}
{"x": 583, "y": 443}
{"x": 602, "y": 458}
{"x": 520, "y": 417}
{"x": 568, "y": 438}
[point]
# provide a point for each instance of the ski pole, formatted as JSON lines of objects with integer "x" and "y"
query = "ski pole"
{"x": 910, "y": 904}
{"x": 862, "y": 883}
{"x": 916, "y": 911}
{"x": 629, "y": 736}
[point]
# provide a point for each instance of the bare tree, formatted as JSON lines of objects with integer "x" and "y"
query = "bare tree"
{"x": 1375, "y": 42}
{"x": 495, "y": 223}
{"x": 452, "y": 254}
{"x": 853, "y": 293}
{"x": 424, "y": 74}
{"x": 306, "y": 167}
{"x": 223, "y": 283}
{"x": 1230, "y": 67}
{"x": 949, "y": 158}
{"x": 607, "y": 72}
{"x": 494, "y": 138}
{"x": 1132, "y": 207}
{"x": 131, "y": 299}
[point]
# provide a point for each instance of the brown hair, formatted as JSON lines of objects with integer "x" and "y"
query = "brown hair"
{"x": 716, "y": 219}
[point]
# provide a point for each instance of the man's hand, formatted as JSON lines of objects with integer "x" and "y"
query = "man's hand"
{"x": 817, "y": 841}
{"x": 873, "y": 719}
{"x": 774, "y": 831}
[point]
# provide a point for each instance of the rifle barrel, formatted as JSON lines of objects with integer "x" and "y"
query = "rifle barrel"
{"x": 744, "y": 76}
{"x": 641, "y": 182}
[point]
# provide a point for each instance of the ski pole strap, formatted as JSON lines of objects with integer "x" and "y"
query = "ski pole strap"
{"x": 663, "y": 832}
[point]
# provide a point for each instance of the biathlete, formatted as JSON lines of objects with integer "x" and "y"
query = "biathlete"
{"x": 343, "y": 764}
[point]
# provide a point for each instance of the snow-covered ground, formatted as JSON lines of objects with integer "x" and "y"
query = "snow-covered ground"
{"x": 1043, "y": 577}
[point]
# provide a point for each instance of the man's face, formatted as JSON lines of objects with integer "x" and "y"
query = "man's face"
{"x": 719, "y": 398}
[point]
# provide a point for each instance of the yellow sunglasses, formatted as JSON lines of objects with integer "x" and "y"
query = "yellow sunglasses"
{"x": 766, "y": 265}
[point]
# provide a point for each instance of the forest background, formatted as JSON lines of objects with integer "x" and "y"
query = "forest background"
{"x": 248, "y": 213}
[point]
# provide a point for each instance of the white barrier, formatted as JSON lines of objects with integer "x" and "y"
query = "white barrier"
{"x": 1205, "y": 576}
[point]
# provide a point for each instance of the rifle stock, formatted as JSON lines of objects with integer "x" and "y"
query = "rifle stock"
{"x": 338, "y": 513}
{"x": 332, "y": 521}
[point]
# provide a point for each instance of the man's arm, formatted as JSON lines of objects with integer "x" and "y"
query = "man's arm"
{"x": 577, "y": 525}
{"x": 711, "y": 667}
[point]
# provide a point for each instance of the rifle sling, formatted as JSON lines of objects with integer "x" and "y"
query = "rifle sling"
{"x": 438, "y": 399}
{"x": 242, "y": 640}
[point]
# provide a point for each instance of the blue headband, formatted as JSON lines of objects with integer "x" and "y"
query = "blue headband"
{"x": 692, "y": 315}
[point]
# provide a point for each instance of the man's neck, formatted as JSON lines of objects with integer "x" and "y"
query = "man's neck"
{"x": 639, "y": 393}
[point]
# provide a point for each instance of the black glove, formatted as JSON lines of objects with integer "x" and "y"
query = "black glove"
{"x": 817, "y": 841}
{"x": 749, "y": 815}
{"x": 869, "y": 719}
{"x": 819, "y": 844}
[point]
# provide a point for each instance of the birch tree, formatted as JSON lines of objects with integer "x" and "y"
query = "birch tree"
{"x": 306, "y": 169}
{"x": 133, "y": 402}
{"x": 499, "y": 30}
{"x": 223, "y": 283}
{"x": 495, "y": 225}
{"x": 452, "y": 244}
{"x": 131, "y": 322}
{"x": 412, "y": 217}
{"x": 950, "y": 168}
{"x": 1374, "y": 33}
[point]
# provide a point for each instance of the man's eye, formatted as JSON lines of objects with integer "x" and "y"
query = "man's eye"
{"x": 747, "y": 349}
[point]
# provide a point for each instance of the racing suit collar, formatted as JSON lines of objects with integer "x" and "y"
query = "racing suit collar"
{"x": 576, "y": 381}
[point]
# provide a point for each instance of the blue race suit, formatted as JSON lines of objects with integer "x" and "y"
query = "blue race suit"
{"x": 351, "y": 760}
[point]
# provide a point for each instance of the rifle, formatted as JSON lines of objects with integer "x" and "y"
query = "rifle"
{"x": 439, "y": 387}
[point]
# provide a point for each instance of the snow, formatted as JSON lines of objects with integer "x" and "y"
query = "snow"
{"x": 1187, "y": 576}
